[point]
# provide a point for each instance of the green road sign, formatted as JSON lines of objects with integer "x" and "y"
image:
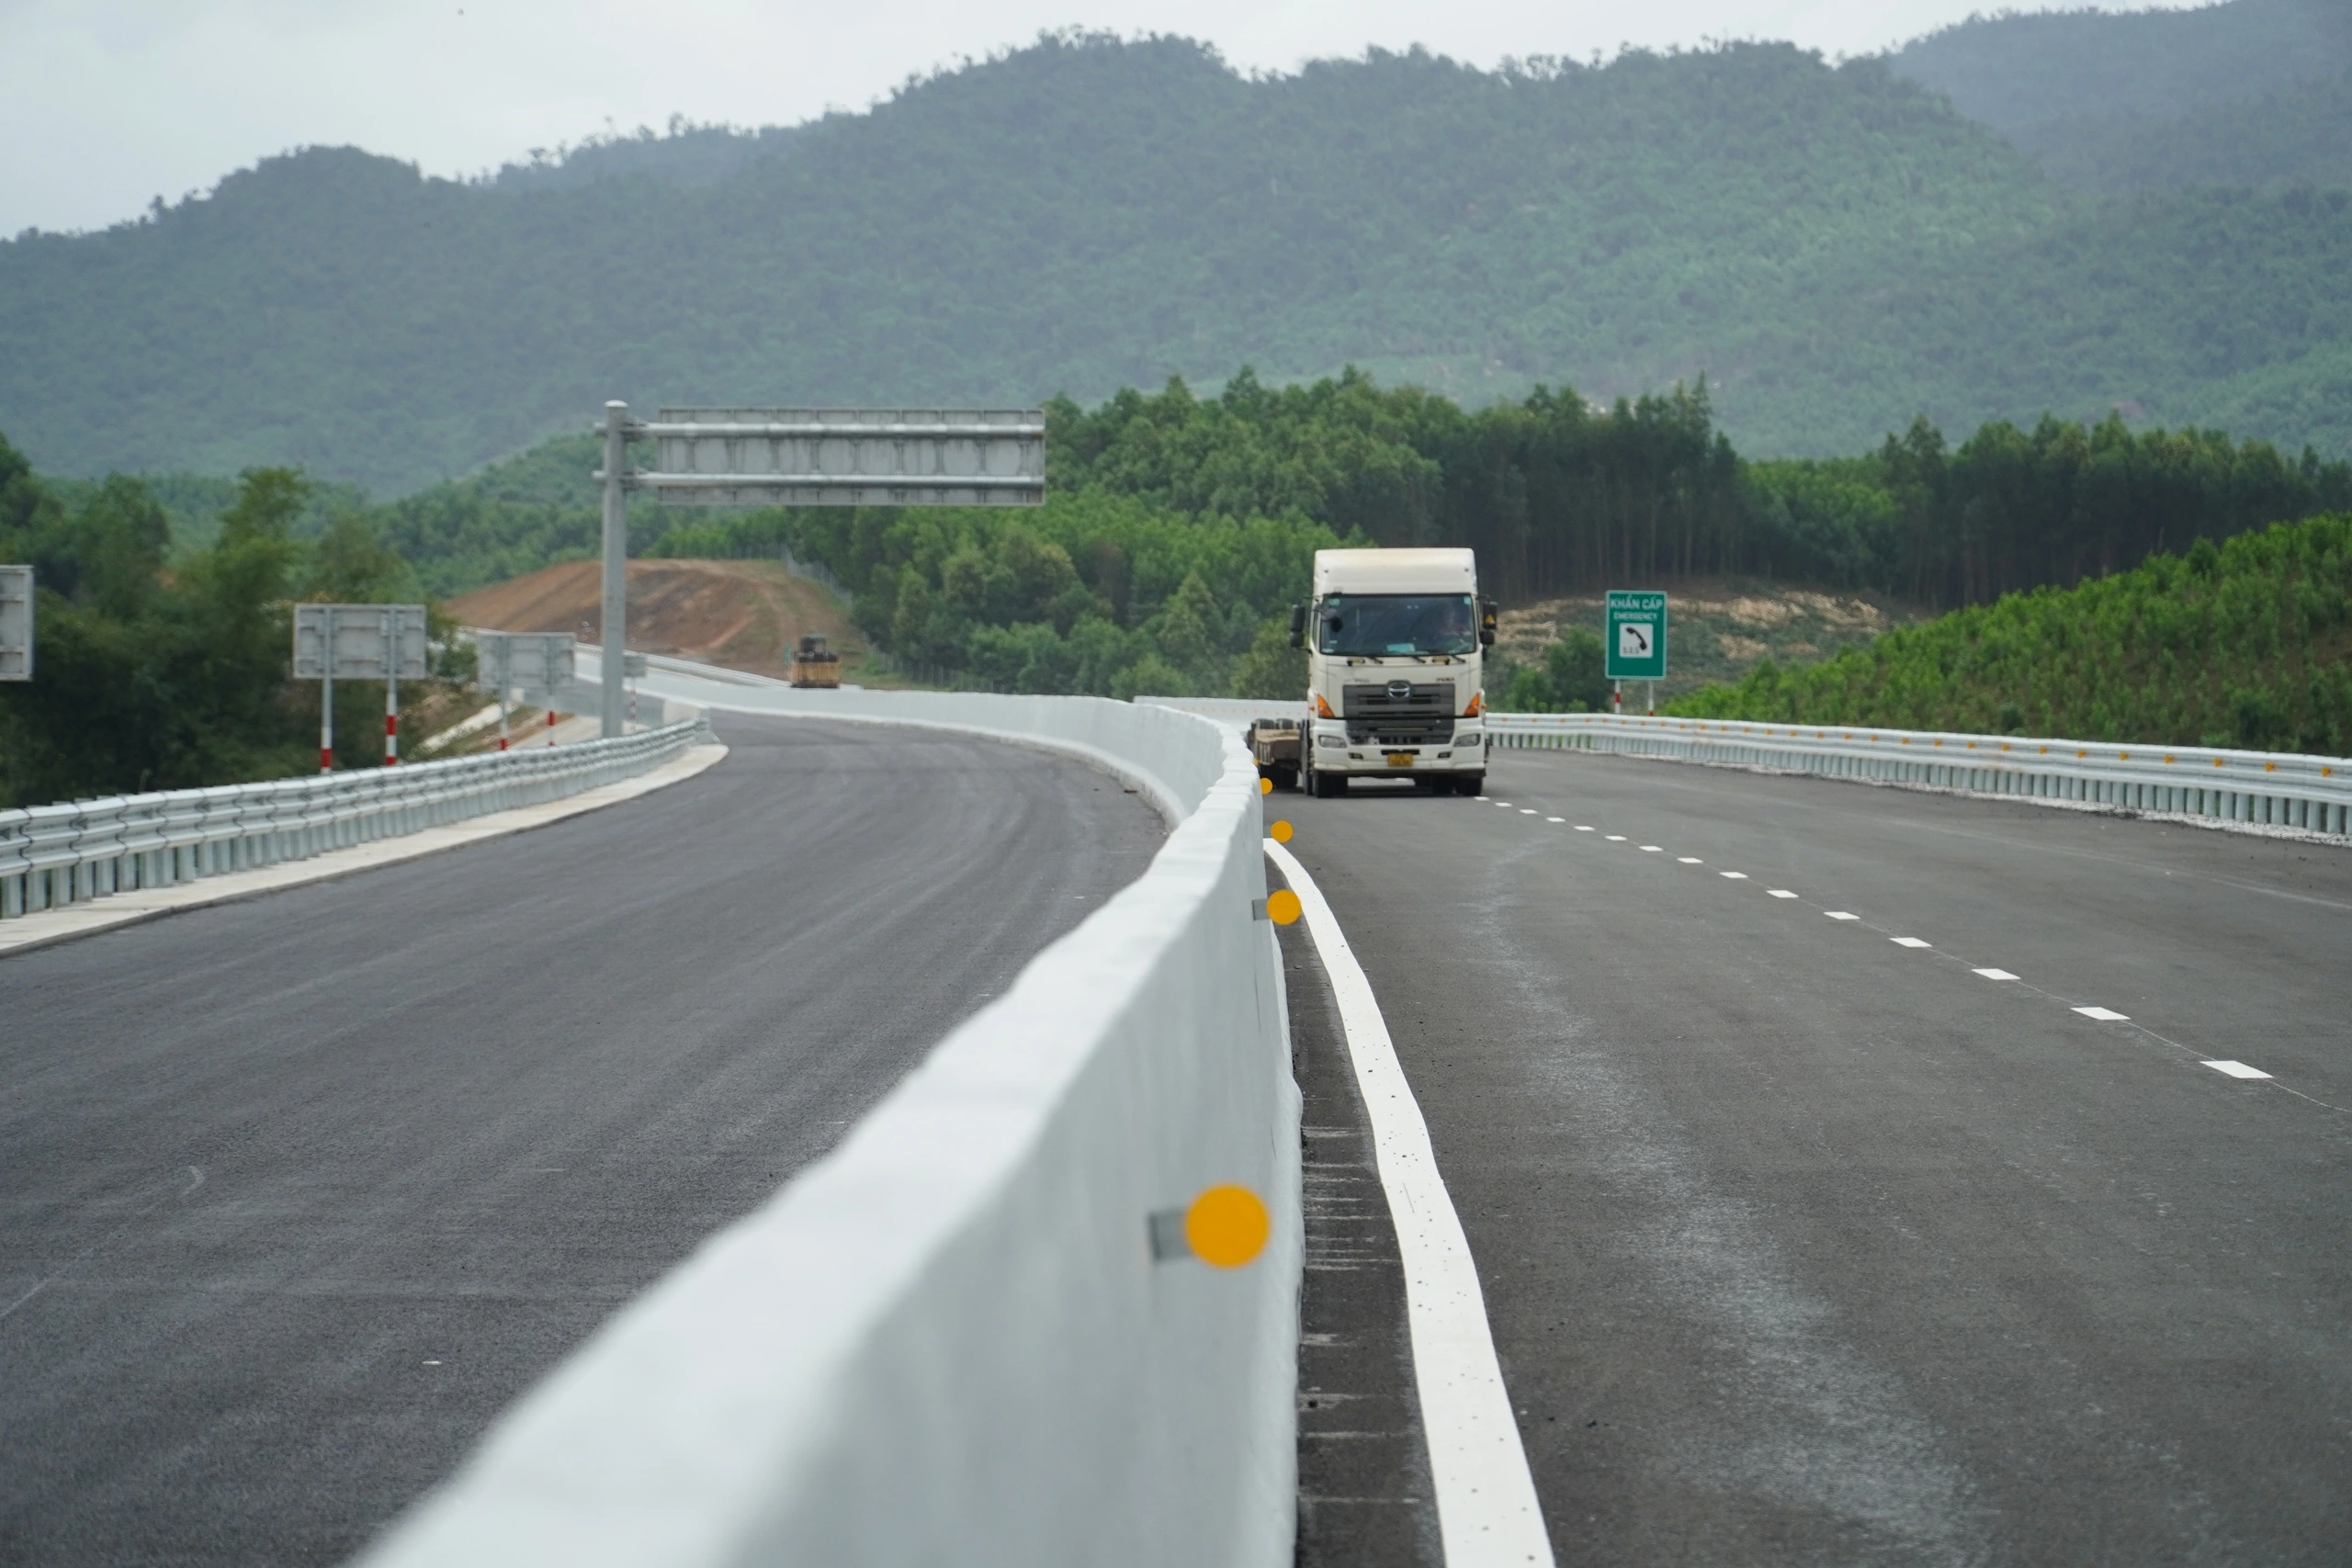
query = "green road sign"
{"x": 1635, "y": 641}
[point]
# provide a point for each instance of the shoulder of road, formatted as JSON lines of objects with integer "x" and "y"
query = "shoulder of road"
{"x": 51, "y": 926}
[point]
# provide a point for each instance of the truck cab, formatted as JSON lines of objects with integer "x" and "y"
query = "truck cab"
{"x": 1396, "y": 644}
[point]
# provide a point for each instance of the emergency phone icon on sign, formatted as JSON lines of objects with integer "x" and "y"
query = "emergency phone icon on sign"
{"x": 1633, "y": 640}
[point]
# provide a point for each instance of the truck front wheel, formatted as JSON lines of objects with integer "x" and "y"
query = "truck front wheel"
{"x": 1470, "y": 783}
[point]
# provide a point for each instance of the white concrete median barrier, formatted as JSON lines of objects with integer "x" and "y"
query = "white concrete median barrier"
{"x": 952, "y": 1339}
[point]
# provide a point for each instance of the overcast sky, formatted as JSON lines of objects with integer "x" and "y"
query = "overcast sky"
{"x": 106, "y": 104}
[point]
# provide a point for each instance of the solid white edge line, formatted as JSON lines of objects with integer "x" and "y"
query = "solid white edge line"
{"x": 1486, "y": 1509}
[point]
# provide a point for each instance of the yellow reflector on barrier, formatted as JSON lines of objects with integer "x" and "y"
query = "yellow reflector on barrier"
{"x": 1265, "y": 786}
{"x": 1282, "y": 906}
{"x": 1227, "y": 1227}
{"x": 1279, "y": 833}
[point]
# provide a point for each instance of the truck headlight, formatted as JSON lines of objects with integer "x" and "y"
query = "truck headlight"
{"x": 1331, "y": 740}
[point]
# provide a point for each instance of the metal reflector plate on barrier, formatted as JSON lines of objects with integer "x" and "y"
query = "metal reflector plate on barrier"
{"x": 735, "y": 456}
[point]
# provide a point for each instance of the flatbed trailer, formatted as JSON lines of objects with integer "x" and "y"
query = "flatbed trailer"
{"x": 1279, "y": 745}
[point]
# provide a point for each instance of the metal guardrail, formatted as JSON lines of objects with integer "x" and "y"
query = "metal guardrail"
{"x": 2274, "y": 788}
{"x": 55, "y": 855}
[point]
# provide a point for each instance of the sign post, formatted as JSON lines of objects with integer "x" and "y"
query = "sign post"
{"x": 533, "y": 661}
{"x": 616, "y": 478}
{"x": 1634, "y": 644}
{"x": 15, "y": 622}
{"x": 358, "y": 642}
{"x": 633, "y": 666}
{"x": 737, "y": 456}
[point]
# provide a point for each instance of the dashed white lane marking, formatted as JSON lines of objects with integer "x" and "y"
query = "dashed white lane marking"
{"x": 1652, "y": 848}
{"x": 1529, "y": 811}
{"x": 2099, "y": 1014}
{"x": 1504, "y": 804}
{"x": 1487, "y": 1513}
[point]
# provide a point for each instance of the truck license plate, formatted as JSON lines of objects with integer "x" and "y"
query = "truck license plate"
{"x": 1400, "y": 759}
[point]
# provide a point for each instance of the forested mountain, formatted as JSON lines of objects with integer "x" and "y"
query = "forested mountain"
{"x": 2252, "y": 93}
{"x": 2019, "y": 69}
{"x": 2300, "y": 135}
{"x": 1835, "y": 247}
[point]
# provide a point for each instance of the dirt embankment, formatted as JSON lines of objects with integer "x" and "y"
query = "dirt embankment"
{"x": 1719, "y": 630}
{"x": 741, "y": 614}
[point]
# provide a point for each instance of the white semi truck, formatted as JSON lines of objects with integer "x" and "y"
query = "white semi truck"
{"x": 1396, "y": 644}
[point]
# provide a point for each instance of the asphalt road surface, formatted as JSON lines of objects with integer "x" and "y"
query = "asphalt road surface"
{"x": 296, "y": 1194}
{"x": 1805, "y": 1245}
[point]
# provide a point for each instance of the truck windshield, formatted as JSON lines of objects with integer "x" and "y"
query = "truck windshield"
{"x": 1379, "y": 626}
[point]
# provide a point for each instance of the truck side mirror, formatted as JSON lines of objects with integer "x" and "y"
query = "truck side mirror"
{"x": 1487, "y": 611}
{"x": 1298, "y": 626}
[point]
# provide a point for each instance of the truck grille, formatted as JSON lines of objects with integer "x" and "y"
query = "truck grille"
{"x": 1403, "y": 713}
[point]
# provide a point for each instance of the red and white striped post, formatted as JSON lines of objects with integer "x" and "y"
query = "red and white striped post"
{"x": 326, "y": 692}
{"x": 391, "y": 689}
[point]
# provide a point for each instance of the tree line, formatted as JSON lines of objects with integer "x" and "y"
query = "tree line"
{"x": 1558, "y": 495}
{"x": 163, "y": 668}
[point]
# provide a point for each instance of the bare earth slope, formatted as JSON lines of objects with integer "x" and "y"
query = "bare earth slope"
{"x": 1721, "y": 628}
{"x": 743, "y": 614}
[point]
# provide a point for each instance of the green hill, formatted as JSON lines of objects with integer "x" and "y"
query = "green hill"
{"x": 2252, "y": 93}
{"x": 1835, "y": 247}
{"x": 2015, "y": 70}
{"x": 2300, "y": 135}
{"x": 2250, "y": 644}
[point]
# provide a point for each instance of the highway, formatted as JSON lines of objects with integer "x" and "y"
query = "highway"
{"x": 299, "y": 1192}
{"x": 1805, "y": 1239}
